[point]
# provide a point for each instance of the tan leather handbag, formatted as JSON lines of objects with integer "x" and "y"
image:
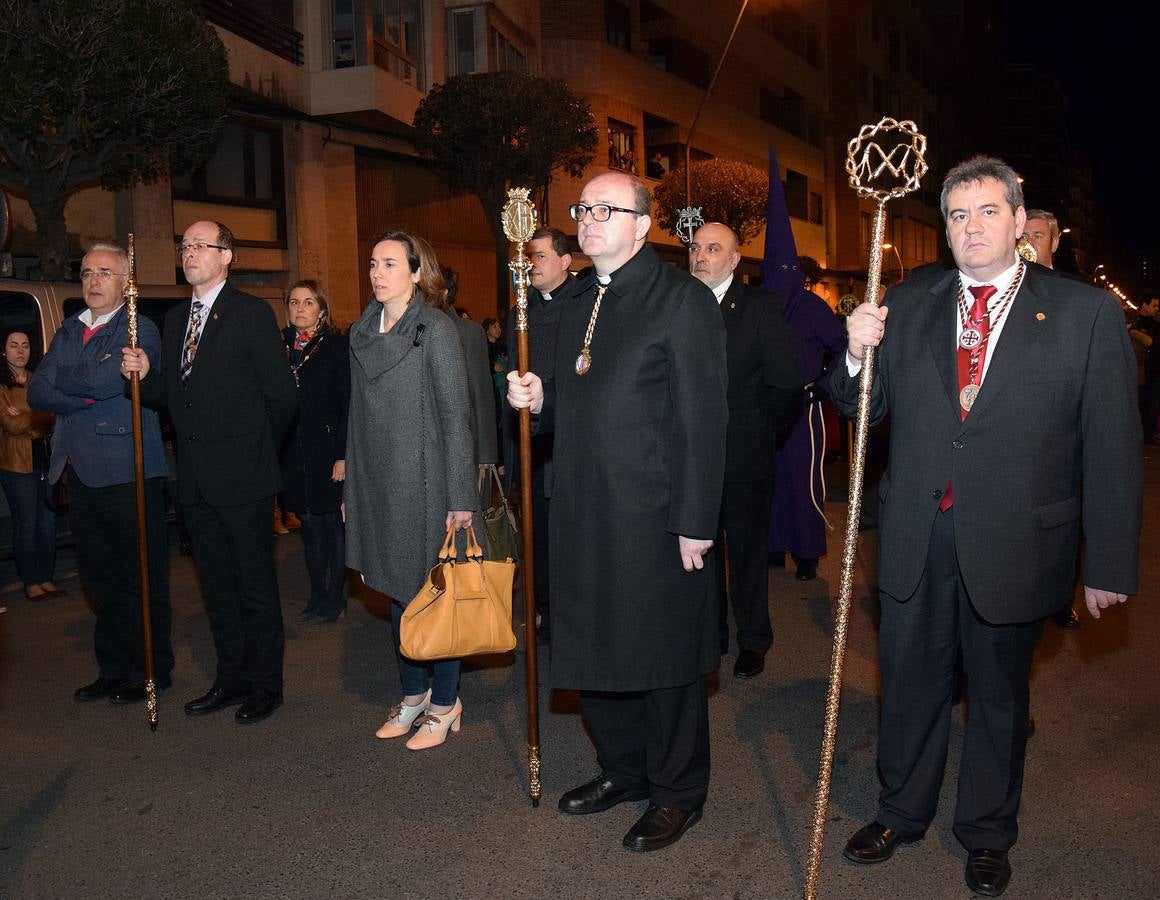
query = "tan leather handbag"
{"x": 463, "y": 608}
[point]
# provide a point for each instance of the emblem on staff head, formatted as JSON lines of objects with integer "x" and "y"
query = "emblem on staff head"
{"x": 846, "y": 304}
{"x": 689, "y": 220}
{"x": 1026, "y": 249}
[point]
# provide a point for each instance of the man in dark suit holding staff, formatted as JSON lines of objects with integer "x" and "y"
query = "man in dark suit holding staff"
{"x": 1010, "y": 392}
{"x": 230, "y": 392}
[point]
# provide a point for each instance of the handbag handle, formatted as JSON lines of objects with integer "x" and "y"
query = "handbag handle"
{"x": 448, "y": 553}
{"x": 495, "y": 480}
{"x": 474, "y": 551}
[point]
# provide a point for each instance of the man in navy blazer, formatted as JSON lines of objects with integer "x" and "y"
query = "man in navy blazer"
{"x": 80, "y": 381}
{"x": 1012, "y": 429}
{"x": 231, "y": 395}
{"x": 765, "y": 388}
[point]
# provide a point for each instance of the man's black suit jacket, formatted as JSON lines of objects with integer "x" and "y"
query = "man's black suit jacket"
{"x": 235, "y": 410}
{"x": 765, "y": 379}
{"x": 1052, "y": 445}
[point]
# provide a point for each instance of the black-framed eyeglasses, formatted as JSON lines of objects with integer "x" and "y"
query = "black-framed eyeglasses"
{"x": 198, "y": 247}
{"x": 601, "y": 212}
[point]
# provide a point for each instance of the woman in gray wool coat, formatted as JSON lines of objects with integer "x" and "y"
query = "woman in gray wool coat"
{"x": 410, "y": 468}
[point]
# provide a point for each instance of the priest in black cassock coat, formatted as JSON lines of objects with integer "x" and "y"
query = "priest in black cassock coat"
{"x": 638, "y": 407}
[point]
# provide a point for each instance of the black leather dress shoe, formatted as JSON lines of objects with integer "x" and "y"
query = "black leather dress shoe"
{"x": 807, "y": 568}
{"x": 659, "y": 827}
{"x": 875, "y": 843}
{"x": 215, "y": 699}
{"x": 102, "y": 687}
{"x": 255, "y": 709}
{"x": 749, "y": 664}
{"x": 135, "y": 692}
{"x": 987, "y": 872}
{"x": 598, "y": 795}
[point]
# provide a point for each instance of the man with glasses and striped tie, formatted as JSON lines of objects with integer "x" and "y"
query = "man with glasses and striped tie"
{"x": 232, "y": 398}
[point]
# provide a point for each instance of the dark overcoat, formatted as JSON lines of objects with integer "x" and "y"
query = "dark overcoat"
{"x": 480, "y": 389}
{"x": 1050, "y": 447}
{"x": 409, "y": 453}
{"x": 765, "y": 379}
{"x": 317, "y": 438}
{"x": 639, "y": 460}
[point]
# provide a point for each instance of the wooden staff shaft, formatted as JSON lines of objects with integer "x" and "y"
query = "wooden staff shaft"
{"x": 846, "y": 592}
{"x": 143, "y": 547}
{"x": 528, "y": 569}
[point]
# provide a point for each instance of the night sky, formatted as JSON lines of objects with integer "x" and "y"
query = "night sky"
{"x": 1105, "y": 57}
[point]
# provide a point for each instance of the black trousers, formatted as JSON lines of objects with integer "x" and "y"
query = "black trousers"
{"x": 104, "y": 524}
{"x": 657, "y": 739}
{"x": 919, "y": 641}
{"x": 233, "y": 547}
{"x": 324, "y": 540}
{"x": 743, "y": 533}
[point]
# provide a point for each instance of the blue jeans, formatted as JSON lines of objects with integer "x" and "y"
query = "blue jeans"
{"x": 413, "y": 674}
{"x": 33, "y": 526}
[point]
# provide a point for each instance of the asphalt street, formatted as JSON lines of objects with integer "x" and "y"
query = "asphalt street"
{"x": 309, "y": 804}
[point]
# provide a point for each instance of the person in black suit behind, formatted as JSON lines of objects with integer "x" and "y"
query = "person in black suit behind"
{"x": 232, "y": 398}
{"x": 765, "y": 388}
{"x": 1013, "y": 429}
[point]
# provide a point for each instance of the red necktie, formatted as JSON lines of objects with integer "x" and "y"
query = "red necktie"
{"x": 969, "y": 373}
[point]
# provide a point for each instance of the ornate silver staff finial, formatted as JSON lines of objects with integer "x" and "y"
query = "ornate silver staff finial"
{"x": 689, "y": 220}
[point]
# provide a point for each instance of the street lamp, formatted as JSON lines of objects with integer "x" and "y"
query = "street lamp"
{"x": 901, "y": 268}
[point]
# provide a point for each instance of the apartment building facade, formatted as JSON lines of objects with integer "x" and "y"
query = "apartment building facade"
{"x": 316, "y": 155}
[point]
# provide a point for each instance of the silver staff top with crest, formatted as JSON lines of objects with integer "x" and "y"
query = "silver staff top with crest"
{"x": 519, "y": 224}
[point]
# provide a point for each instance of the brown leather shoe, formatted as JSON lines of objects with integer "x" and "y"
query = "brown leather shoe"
{"x": 875, "y": 843}
{"x": 659, "y": 827}
{"x": 987, "y": 872}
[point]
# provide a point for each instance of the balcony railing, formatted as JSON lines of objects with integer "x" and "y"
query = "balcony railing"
{"x": 248, "y": 22}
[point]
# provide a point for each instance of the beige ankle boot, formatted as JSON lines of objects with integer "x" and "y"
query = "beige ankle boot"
{"x": 433, "y": 728}
{"x": 401, "y": 718}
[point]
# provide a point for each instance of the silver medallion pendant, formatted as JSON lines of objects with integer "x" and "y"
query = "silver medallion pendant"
{"x": 583, "y": 362}
{"x": 970, "y": 338}
{"x": 967, "y": 396}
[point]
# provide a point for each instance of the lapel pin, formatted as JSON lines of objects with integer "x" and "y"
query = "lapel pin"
{"x": 733, "y": 306}
{"x": 215, "y": 315}
{"x": 1039, "y": 317}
